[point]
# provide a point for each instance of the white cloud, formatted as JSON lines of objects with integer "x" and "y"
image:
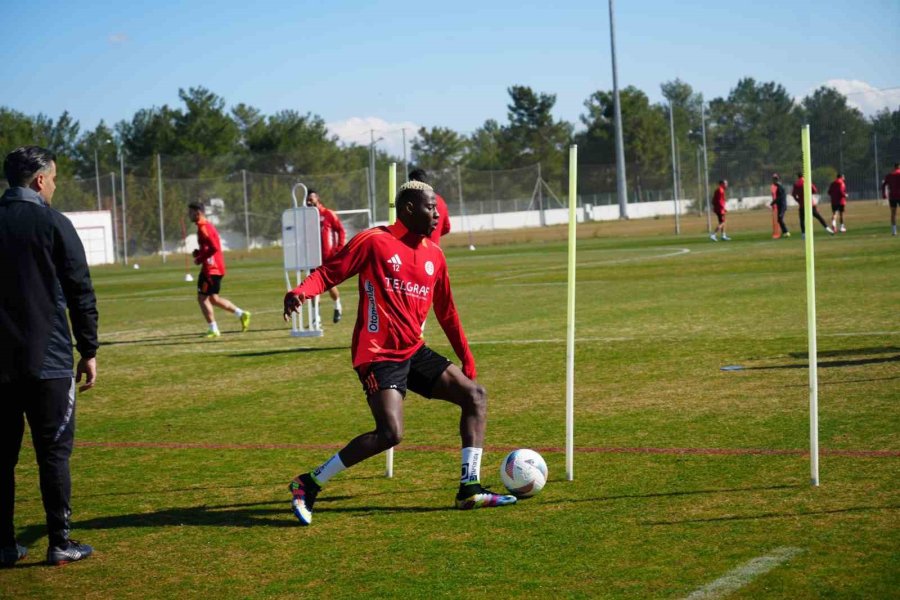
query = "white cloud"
{"x": 866, "y": 97}
{"x": 117, "y": 38}
{"x": 356, "y": 130}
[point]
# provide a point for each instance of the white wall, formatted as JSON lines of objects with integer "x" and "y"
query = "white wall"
{"x": 610, "y": 212}
{"x": 96, "y": 233}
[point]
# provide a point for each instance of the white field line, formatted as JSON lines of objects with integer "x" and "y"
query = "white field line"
{"x": 744, "y": 574}
{"x": 530, "y": 272}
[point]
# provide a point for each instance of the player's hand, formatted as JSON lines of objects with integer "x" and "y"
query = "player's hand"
{"x": 195, "y": 252}
{"x": 292, "y": 303}
{"x": 88, "y": 368}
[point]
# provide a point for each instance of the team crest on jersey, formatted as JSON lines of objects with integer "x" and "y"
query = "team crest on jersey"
{"x": 429, "y": 267}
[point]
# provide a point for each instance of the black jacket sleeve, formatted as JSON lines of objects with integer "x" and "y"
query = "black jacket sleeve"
{"x": 75, "y": 278}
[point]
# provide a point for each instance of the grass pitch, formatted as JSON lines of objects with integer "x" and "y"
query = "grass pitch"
{"x": 683, "y": 472}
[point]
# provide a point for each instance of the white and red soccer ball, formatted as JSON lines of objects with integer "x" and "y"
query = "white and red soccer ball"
{"x": 523, "y": 472}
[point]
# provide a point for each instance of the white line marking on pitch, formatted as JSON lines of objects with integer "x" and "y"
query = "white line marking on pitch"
{"x": 530, "y": 272}
{"x": 741, "y": 576}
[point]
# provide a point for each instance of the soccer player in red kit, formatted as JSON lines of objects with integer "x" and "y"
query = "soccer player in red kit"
{"x": 797, "y": 193}
{"x": 209, "y": 282}
{"x": 401, "y": 274}
{"x": 443, "y": 226}
{"x": 333, "y": 239}
{"x": 890, "y": 191}
{"x": 837, "y": 191}
{"x": 718, "y": 205}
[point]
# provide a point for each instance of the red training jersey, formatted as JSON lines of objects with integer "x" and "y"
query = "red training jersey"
{"x": 210, "y": 253}
{"x": 838, "y": 191}
{"x": 333, "y": 235}
{"x": 892, "y": 182}
{"x": 797, "y": 191}
{"x": 400, "y": 275}
{"x": 719, "y": 200}
{"x": 443, "y": 226}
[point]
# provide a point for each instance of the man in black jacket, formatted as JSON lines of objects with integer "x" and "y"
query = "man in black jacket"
{"x": 43, "y": 271}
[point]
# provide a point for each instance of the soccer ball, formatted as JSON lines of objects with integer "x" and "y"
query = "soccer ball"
{"x": 523, "y": 472}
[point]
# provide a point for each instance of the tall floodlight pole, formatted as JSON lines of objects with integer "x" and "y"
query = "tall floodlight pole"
{"x": 162, "y": 224}
{"x": 841, "y": 151}
{"x": 97, "y": 177}
{"x": 405, "y": 163}
{"x": 875, "y": 147}
{"x": 124, "y": 214}
{"x": 621, "y": 184}
{"x": 705, "y": 166}
{"x": 372, "y": 170}
{"x": 674, "y": 170}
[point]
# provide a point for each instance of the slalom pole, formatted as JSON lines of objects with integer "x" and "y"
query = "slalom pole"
{"x": 187, "y": 267}
{"x": 570, "y": 326}
{"x": 392, "y": 217}
{"x": 811, "y": 312}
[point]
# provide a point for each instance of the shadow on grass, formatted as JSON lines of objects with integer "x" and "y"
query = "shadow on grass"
{"x": 186, "y": 338}
{"x": 849, "y": 352}
{"x": 775, "y": 515}
{"x": 286, "y": 351}
{"x": 687, "y": 493}
{"x": 832, "y": 363}
{"x": 274, "y": 513}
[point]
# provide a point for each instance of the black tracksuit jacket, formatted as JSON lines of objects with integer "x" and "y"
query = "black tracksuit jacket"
{"x": 43, "y": 271}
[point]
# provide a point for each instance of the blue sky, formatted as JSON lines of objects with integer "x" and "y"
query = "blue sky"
{"x": 393, "y": 64}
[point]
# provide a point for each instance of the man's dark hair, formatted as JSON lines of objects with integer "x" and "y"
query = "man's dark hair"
{"x": 799, "y": 173}
{"x": 311, "y": 191}
{"x": 897, "y": 165}
{"x": 23, "y": 163}
{"x": 419, "y": 175}
{"x": 839, "y": 175}
{"x": 197, "y": 206}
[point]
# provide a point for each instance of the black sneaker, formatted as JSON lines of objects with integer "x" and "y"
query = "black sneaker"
{"x": 69, "y": 552}
{"x": 304, "y": 491}
{"x": 337, "y": 316}
{"x": 473, "y": 496}
{"x": 10, "y": 555}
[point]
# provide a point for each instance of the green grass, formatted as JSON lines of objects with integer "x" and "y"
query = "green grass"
{"x": 205, "y": 511}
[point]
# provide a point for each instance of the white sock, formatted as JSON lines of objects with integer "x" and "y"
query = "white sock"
{"x": 329, "y": 469}
{"x": 213, "y": 326}
{"x": 337, "y": 305}
{"x": 471, "y": 465}
{"x": 238, "y": 312}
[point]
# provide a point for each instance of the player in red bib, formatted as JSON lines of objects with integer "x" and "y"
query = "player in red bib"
{"x": 718, "y": 206}
{"x": 890, "y": 191}
{"x": 333, "y": 239}
{"x": 443, "y": 226}
{"x": 797, "y": 193}
{"x": 401, "y": 275}
{"x": 209, "y": 282}
{"x": 837, "y": 191}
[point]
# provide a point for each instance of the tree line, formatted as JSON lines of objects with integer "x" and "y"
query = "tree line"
{"x": 751, "y": 132}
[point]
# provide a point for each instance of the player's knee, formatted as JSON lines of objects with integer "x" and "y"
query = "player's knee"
{"x": 477, "y": 399}
{"x": 390, "y": 436}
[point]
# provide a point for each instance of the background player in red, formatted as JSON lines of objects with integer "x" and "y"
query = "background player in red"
{"x": 718, "y": 206}
{"x": 333, "y": 239}
{"x": 837, "y": 191}
{"x": 443, "y": 226}
{"x": 779, "y": 201}
{"x": 209, "y": 283}
{"x": 401, "y": 273}
{"x": 797, "y": 193}
{"x": 890, "y": 190}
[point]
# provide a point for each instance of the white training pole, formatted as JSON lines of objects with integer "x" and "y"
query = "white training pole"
{"x": 570, "y": 328}
{"x": 392, "y": 216}
{"x": 811, "y": 312}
